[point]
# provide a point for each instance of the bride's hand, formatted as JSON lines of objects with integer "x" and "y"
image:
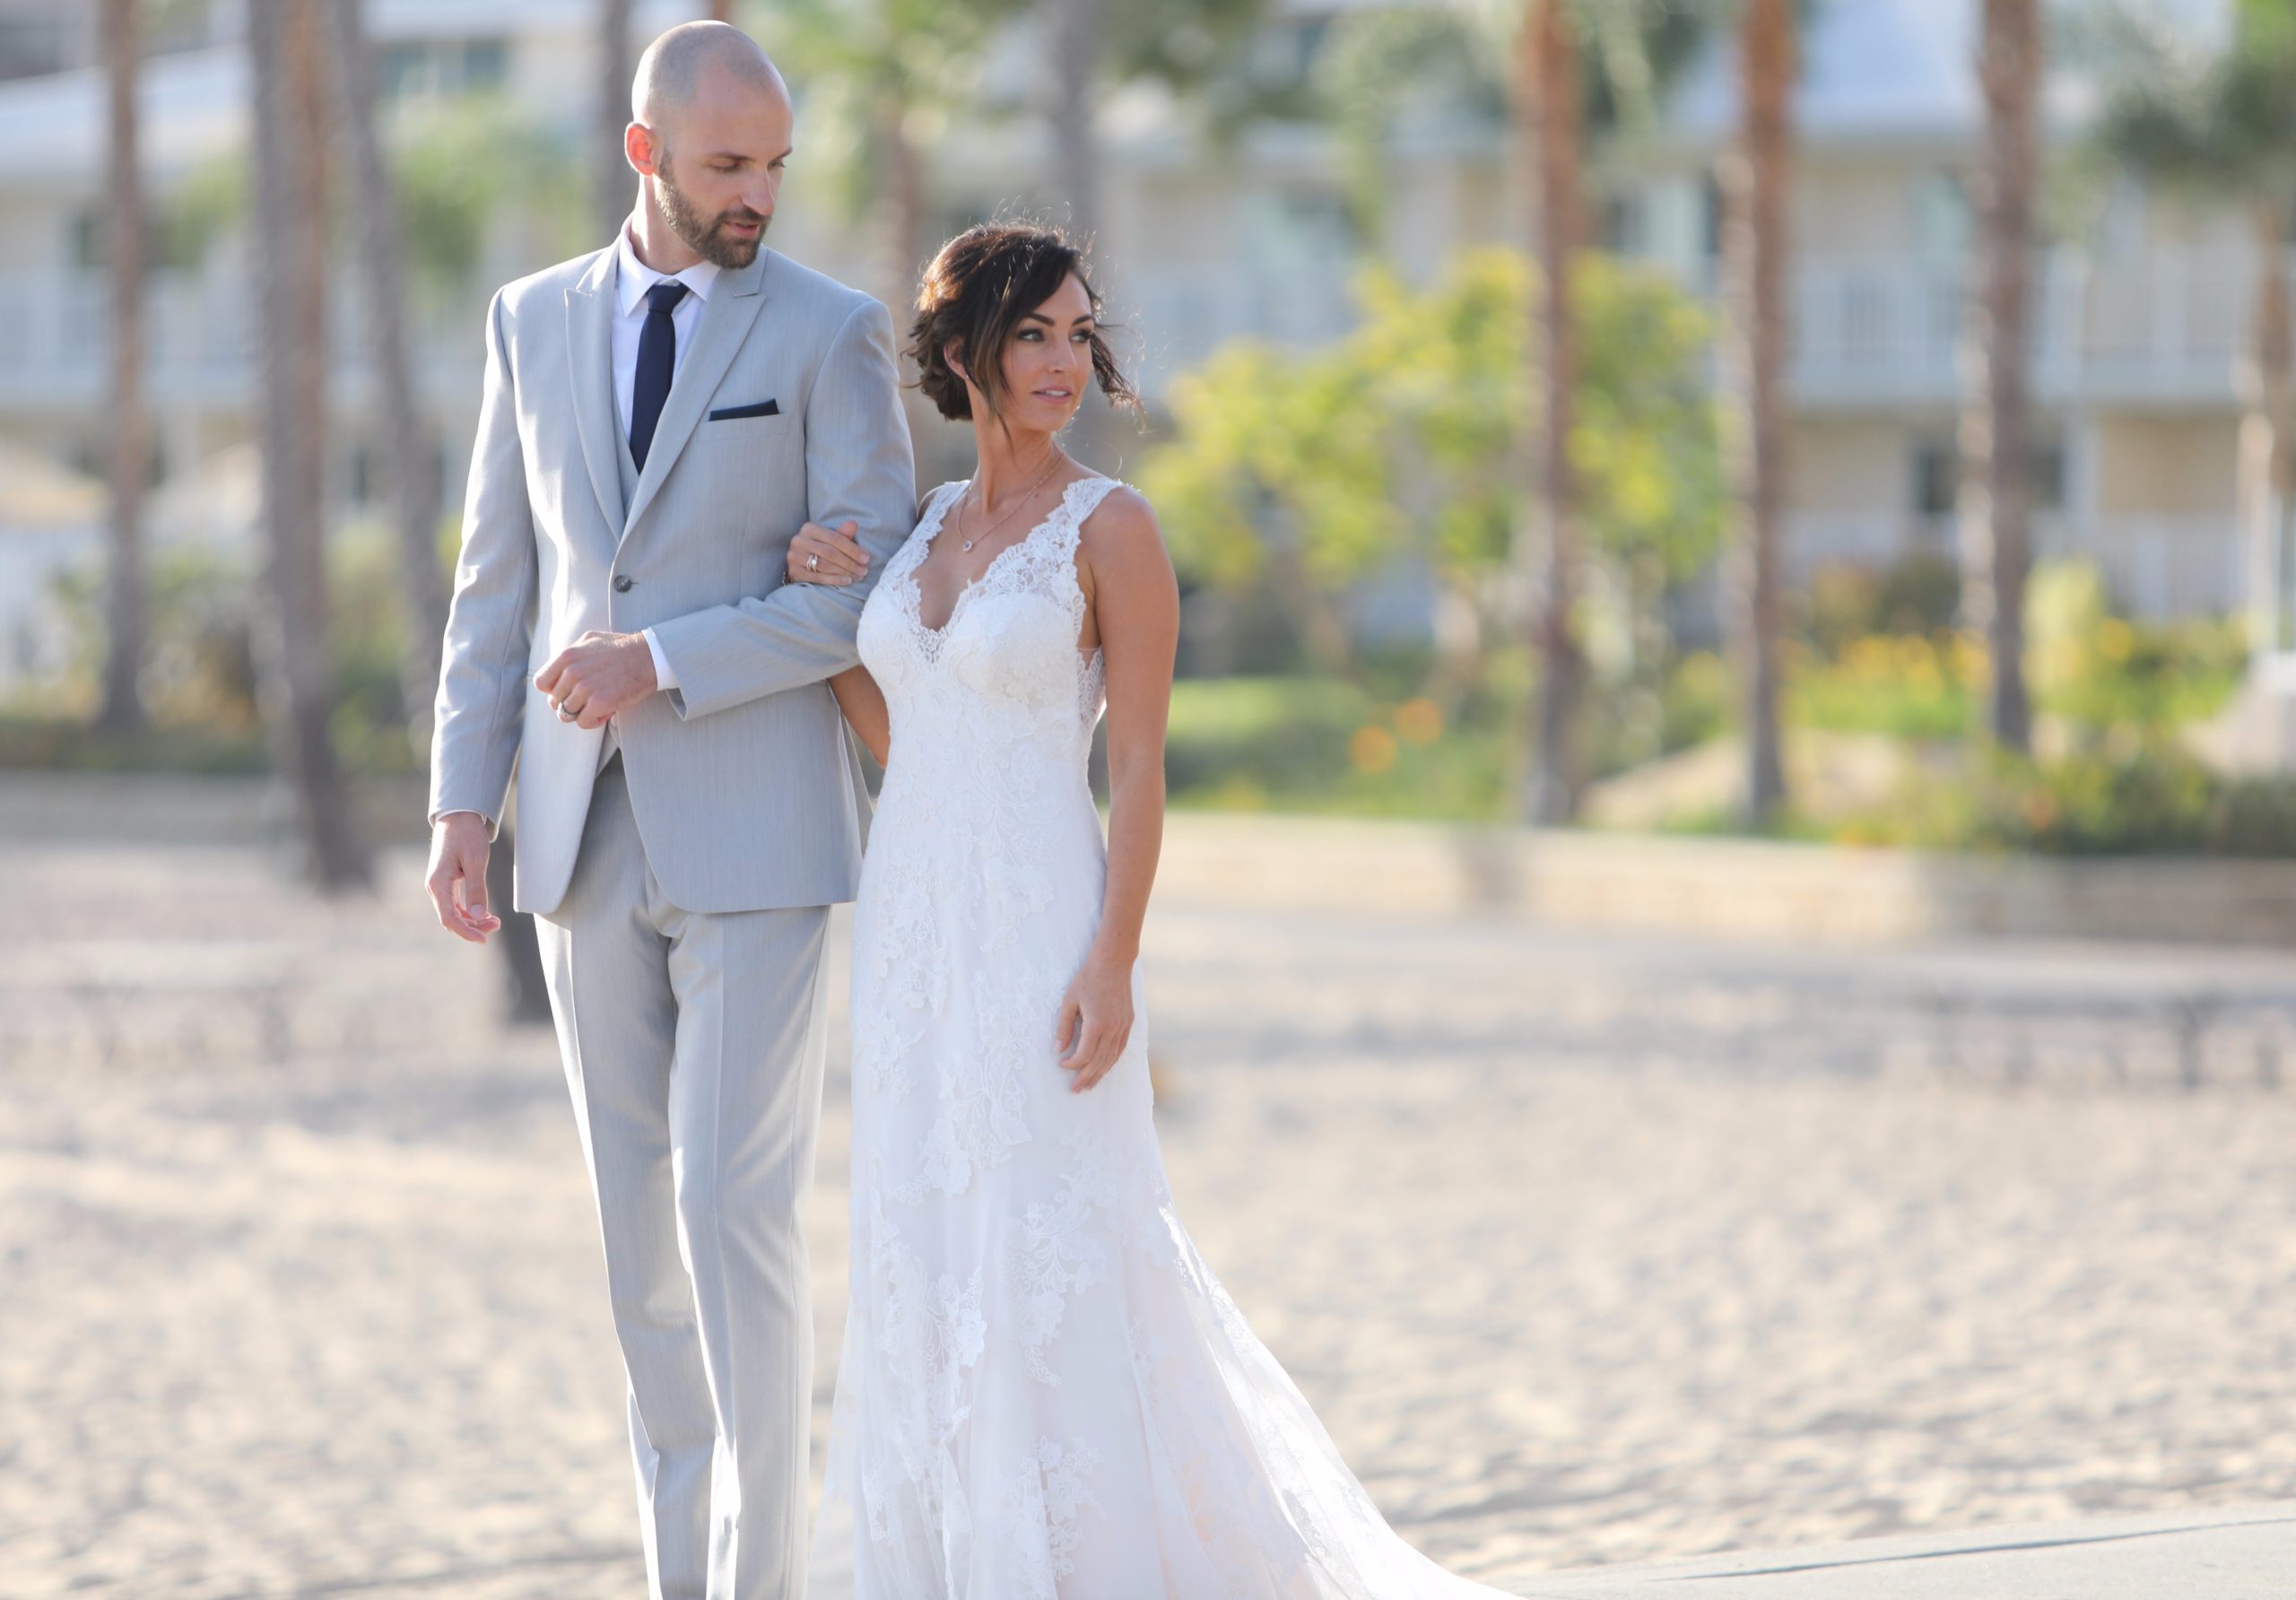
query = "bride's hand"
{"x": 1095, "y": 1020}
{"x": 817, "y": 555}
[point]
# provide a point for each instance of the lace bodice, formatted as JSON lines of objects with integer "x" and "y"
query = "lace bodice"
{"x": 1004, "y": 672}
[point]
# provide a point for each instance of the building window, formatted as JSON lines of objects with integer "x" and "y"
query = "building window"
{"x": 1625, "y": 225}
{"x": 426, "y": 68}
{"x": 1941, "y": 217}
{"x": 34, "y": 47}
{"x": 1937, "y": 476}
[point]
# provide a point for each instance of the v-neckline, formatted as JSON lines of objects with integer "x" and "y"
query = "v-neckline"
{"x": 924, "y": 554}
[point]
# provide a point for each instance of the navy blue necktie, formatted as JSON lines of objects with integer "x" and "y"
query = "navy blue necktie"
{"x": 657, "y": 357}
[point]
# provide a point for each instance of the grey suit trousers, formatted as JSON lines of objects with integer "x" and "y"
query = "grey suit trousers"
{"x": 694, "y": 1045}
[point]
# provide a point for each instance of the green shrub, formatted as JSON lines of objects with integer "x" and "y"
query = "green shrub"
{"x": 2124, "y": 795}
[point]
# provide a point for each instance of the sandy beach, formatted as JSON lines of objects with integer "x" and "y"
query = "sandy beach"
{"x": 1588, "y": 1249}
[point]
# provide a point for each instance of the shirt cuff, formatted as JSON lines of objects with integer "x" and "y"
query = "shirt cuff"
{"x": 664, "y": 678}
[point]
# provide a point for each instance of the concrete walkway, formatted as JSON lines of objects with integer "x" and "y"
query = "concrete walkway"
{"x": 2233, "y": 1553}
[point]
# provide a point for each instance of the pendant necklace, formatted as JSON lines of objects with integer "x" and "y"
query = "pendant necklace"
{"x": 1017, "y": 501}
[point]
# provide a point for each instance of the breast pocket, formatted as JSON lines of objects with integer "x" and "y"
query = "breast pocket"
{"x": 748, "y": 454}
{"x": 753, "y": 469}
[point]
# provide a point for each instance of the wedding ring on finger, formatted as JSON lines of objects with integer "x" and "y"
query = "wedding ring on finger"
{"x": 813, "y": 562}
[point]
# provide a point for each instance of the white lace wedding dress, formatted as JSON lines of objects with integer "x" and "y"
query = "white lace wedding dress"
{"x": 1043, "y": 1391}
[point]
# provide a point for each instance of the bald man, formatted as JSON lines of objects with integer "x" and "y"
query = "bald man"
{"x": 660, "y": 418}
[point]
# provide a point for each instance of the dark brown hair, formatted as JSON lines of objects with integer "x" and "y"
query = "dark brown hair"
{"x": 976, "y": 291}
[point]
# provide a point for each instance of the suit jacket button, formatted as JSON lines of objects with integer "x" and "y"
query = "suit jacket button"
{"x": 622, "y": 584}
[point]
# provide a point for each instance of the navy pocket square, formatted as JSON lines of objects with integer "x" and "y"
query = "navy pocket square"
{"x": 761, "y": 408}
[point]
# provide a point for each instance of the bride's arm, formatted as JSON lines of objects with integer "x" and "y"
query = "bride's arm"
{"x": 1135, "y": 603}
{"x": 821, "y": 555}
{"x": 864, "y": 705}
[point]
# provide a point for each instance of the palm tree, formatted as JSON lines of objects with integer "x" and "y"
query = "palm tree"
{"x": 1580, "y": 69}
{"x": 1551, "y": 134}
{"x": 290, "y": 283}
{"x": 1996, "y": 498}
{"x": 2224, "y": 127}
{"x": 125, "y": 601}
{"x": 1757, "y": 182}
{"x": 877, "y": 69}
{"x": 414, "y": 488}
{"x": 615, "y": 179}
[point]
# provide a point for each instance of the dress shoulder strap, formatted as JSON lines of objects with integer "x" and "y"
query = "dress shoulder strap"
{"x": 1079, "y": 501}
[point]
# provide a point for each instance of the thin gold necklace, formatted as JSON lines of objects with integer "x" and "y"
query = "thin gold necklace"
{"x": 1017, "y": 501}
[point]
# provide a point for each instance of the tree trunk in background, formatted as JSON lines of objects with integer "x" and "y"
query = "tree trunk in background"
{"x": 130, "y": 424}
{"x": 2267, "y": 480}
{"x": 413, "y": 480}
{"x": 1996, "y": 486}
{"x": 615, "y": 181}
{"x": 290, "y": 278}
{"x": 1552, "y": 139}
{"x": 1076, "y": 32}
{"x": 897, "y": 224}
{"x": 1758, "y": 183}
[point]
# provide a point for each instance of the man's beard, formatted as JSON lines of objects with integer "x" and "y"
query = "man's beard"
{"x": 708, "y": 240}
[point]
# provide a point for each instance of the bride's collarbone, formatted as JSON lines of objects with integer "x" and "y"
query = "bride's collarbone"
{"x": 969, "y": 567}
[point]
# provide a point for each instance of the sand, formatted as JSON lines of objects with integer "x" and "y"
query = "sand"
{"x": 1588, "y": 1250}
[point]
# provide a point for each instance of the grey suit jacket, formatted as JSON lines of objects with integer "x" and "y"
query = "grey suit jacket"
{"x": 747, "y": 786}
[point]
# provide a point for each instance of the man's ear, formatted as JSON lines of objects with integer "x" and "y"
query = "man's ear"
{"x": 641, "y": 149}
{"x": 953, "y": 353}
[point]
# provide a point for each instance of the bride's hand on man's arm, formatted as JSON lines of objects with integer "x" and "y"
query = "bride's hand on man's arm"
{"x": 830, "y": 556}
{"x": 834, "y": 556}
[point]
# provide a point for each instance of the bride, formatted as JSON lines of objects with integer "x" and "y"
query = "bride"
{"x": 1043, "y": 1391}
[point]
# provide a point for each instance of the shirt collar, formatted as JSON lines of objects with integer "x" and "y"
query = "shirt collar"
{"x": 633, "y": 277}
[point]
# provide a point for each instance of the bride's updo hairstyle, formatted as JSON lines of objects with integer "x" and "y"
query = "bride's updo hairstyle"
{"x": 976, "y": 291}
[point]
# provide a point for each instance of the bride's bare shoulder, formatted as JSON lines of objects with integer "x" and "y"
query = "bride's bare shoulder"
{"x": 1123, "y": 526}
{"x": 1120, "y": 545}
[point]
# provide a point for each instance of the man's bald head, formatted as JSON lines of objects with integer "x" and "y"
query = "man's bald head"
{"x": 709, "y": 139}
{"x": 672, "y": 70}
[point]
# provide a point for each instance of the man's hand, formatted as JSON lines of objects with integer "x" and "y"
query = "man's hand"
{"x": 458, "y": 882}
{"x": 598, "y": 675}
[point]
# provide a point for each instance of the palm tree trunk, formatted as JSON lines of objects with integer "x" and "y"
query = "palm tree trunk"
{"x": 1074, "y": 31}
{"x": 125, "y": 595}
{"x": 290, "y": 278}
{"x": 2267, "y": 484}
{"x": 1758, "y": 180}
{"x": 899, "y": 223}
{"x": 615, "y": 182}
{"x": 1995, "y": 497}
{"x": 414, "y": 488}
{"x": 1548, "y": 110}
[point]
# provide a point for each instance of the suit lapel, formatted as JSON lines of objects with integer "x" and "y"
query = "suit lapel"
{"x": 589, "y": 346}
{"x": 727, "y": 317}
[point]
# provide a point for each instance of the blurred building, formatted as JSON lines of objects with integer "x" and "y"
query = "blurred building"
{"x": 2143, "y": 303}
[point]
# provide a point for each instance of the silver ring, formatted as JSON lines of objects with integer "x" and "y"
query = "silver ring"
{"x": 813, "y": 563}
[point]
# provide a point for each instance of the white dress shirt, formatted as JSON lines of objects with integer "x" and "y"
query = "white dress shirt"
{"x": 632, "y": 279}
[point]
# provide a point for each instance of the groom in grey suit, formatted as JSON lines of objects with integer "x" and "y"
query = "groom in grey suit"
{"x": 660, "y": 418}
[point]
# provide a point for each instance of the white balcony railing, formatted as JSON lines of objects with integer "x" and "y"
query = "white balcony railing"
{"x": 2167, "y": 329}
{"x": 2157, "y": 566}
{"x": 200, "y": 341}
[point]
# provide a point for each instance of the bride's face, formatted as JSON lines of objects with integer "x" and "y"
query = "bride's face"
{"x": 1049, "y": 360}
